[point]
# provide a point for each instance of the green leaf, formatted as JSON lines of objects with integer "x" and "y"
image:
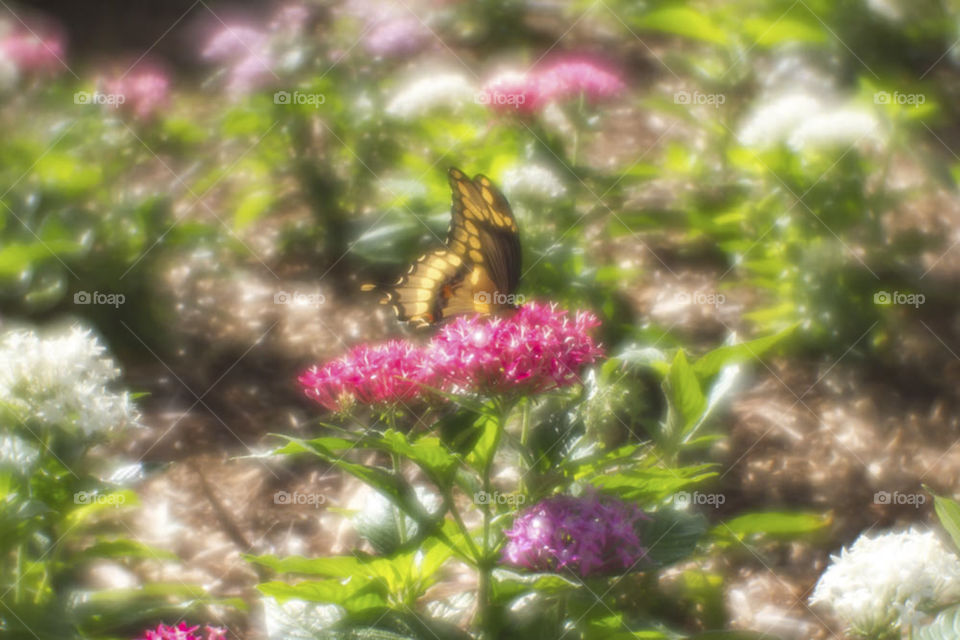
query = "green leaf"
{"x": 428, "y": 452}
{"x": 671, "y": 536}
{"x": 772, "y": 524}
{"x": 767, "y": 33}
{"x": 355, "y": 594}
{"x": 684, "y": 394}
{"x": 508, "y": 584}
{"x": 684, "y": 21}
{"x": 331, "y": 567}
{"x": 394, "y": 488}
{"x": 712, "y": 362}
{"x": 251, "y": 207}
{"x": 949, "y": 513}
{"x": 654, "y": 484}
{"x": 482, "y": 454}
{"x": 946, "y": 626}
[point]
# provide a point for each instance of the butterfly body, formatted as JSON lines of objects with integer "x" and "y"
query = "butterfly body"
{"x": 478, "y": 268}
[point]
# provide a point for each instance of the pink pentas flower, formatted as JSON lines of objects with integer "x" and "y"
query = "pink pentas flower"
{"x": 539, "y": 348}
{"x": 234, "y": 42}
{"x": 144, "y": 91}
{"x": 565, "y": 79}
{"x": 394, "y": 36}
{"x": 184, "y": 632}
{"x": 513, "y": 92}
{"x": 370, "y": 374}
{"x": 247, "y": 54}
{"x": 32, "y": 51}
{"x": 569, "y": 78}
{"x": 590, "y": 535}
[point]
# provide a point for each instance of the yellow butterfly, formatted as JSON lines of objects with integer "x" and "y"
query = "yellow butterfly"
{"x": 478, "y": 268}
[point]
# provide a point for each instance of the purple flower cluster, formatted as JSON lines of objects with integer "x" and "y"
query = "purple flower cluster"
{"x": 590, "y": 536}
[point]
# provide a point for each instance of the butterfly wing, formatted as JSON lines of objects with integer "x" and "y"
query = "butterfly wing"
{"x": 484, "y": 228}
{"x": 421, "y": 295}
{"x": 476, "y": 270}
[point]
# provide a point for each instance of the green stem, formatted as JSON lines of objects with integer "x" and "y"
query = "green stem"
{"x": 524, "y": 439}
{"x": 488, "y": 624}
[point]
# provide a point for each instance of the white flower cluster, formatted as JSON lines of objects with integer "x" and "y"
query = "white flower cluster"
{"x": 62, "y": 380}
{"x": 806, "y": 121}
{"x": 889, "y": 580}
{"x": 449, "y": 90}
{"x": 532, "y": 181}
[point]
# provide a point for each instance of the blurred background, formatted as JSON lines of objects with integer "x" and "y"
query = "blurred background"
{"x": 204, "y": 186}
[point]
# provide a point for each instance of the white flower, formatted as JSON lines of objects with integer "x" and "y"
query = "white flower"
{"x": 889, "y": 579}
{"x": 774, "y": 121}
{"x": 843, "y": 127}
{"x": 531, "y": 180}
{"x": 62, "y": 380}
{"x": 450, "y": 90}
{"x": 806, "y": 121}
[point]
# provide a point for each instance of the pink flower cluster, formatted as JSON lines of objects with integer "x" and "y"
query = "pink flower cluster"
{"x": 183, "y": 632}
{"x": 590, "y": 536}
{"x": 251, "y": 55}
{"x": 563, "y": 80}
{"x": 33, "y": 51}
{"x": 144, "y": 92}
{"x": 378, "y": 374}
{"x": 538, "y": 348}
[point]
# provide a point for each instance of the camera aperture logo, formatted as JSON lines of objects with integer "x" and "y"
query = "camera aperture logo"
{"x": 91, "y": 497}
{"x": 887, "y": 298}
{"x": 497, "y": 298}
{"x": 711, "y": 99}
{"x": 96, "y": 297}
{"x": 915, "y": 500}
{"x": 911, "y": 99}
{"x": 700, "y": 298}
{"x": 300, "y": 499}
{"x": 500, "y": 99}
{"x": 299, "y": 97}
{"x": 683, "y": 499}
{"x": 95, "y": 97}
{"x": 512, "y": 499}
{"x": 299, "y": 299}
